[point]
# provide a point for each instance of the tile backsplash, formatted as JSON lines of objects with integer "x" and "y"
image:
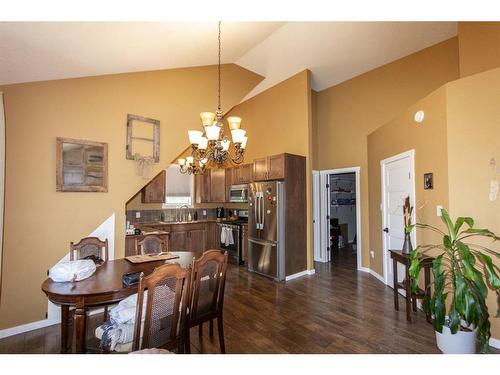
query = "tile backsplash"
{"x": 169, "y": 214}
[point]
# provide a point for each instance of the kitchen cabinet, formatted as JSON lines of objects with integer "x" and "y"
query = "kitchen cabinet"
{"x": 217, "y": 185}
{"x": 210, "y": 187}
{"x": 202, "y": 187}
{"x": 212, "y": 236}
{"x": 198, "y": 240}
{"x": 269, "y": 168}
{"x": 188, "y": 237}
{"x": 260, "y": 169}
{"x": 244, "y": 242}
{"x": 242, "y": 174}
{"x": 154, "y": 191}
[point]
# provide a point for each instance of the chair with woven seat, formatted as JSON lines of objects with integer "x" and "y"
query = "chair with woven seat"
{"x": 151, "y": 244}
{"x": 206, "y": 301}
{"x": 91, "y": 248}
{"x": 164, "y": 317}
{"x": 159, "y": 317}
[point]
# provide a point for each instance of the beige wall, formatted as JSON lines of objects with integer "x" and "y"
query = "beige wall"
{"x": 473, "y": 140}
{"x": 40, "y": 223}
{"x": 279, "y": 120}
{"x": 348, "y": 112}
{"x": 479, "y": 44}
{"x": 428, "y": 139}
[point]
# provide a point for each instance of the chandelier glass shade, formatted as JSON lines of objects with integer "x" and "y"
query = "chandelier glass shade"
{"x": 210, "y": 147}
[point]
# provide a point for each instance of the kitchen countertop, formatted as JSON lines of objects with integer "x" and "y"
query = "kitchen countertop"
{"x": 149, "y": 223}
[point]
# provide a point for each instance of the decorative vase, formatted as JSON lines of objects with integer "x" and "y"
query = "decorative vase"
{"x": 407, "y": 246}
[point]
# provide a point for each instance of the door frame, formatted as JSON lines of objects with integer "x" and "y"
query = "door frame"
{"x": 316, "y": 216}
{"x": 325, "y": 202}
{"x": 383, "y": 163}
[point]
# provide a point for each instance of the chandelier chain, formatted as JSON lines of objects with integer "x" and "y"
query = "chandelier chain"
{"x": 218, "y": 74}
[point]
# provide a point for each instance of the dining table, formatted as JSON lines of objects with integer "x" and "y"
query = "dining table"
{"x": 104, "y": 287}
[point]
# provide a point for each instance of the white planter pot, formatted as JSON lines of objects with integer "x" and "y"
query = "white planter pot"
{"x": 461, "y": 342}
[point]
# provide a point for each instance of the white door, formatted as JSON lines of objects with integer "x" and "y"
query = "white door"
{"x": 397, "y": 184}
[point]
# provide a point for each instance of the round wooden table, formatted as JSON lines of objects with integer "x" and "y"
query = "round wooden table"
{"x": 104, "y": 287}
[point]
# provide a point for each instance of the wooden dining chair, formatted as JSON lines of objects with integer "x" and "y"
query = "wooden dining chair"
{"x": 151, "y": 244}
{"x": 89, "y": 246}
{"x": 94, "y": 248}
{"x": 206, "y": 301}
{"x": 166, "y": 305}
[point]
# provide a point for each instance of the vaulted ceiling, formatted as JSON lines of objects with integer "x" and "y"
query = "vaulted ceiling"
{"x": 333, "y": 51}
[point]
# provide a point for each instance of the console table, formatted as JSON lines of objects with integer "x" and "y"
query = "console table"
{"x": 398, "y": 256}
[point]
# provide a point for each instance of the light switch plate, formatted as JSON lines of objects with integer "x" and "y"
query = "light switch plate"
{"x": 438, "y": 210}
{"x": 493, "y": 190}
{"x": 137, "y": 215}
{"x": 372, "y": 254}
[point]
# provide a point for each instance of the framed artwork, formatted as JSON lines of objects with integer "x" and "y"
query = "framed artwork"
{"x": 143, "y": 138}
{"x": 428, "y": 181}
{"x": 81, "y": 165}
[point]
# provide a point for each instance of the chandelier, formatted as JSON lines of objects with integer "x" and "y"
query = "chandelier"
{"x": 211, "y": 147}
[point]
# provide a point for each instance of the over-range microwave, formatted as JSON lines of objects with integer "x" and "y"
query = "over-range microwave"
{"x": 238, "y": 193}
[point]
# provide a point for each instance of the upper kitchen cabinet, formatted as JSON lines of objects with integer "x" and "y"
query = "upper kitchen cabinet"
{"x": 211, "y": 186}
{"x": 242, "y": 174}
{"x": 154, "y": 192}
{"x": 217, "y": 185}
{"x": 202, "y": 187}
{"x": 269, "y": 168}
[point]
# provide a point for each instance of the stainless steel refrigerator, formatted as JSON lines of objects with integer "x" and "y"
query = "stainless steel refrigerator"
{"x": 266, "y": 232}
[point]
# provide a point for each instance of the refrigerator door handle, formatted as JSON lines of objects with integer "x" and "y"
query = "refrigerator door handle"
{"x": 256, "y": 202}
{"x": 262, "y": 242}
{"x": 263, "y": 213}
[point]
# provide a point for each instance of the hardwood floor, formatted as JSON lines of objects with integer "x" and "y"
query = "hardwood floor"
{"x": 337, "y": 310}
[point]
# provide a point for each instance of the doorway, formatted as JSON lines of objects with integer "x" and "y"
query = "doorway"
{"x": 397, "y": 176}
{"x": 340, "y": 217}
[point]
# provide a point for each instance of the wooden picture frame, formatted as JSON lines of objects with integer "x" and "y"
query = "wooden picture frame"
{"x": 155, "y": 140}
{"x": 81, "y": 166}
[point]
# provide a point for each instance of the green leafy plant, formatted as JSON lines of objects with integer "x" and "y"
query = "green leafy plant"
{"x": 464, "y": 272}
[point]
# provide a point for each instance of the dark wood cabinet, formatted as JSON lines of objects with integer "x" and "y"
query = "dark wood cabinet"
{"x": 269, "y": 168}
{"x": 244, "y": 242}
{"x": 211, "y": 186}
{"x": 188, "y": 237}
{"x": 202, "y": 187}
{"x": 179, "y": 240}
{"x": 154, "y": 192}
{"x": 276, "y": 167}
{"x": 197, "y": 239}
{"x": 241, "y": 174}
{"x": 260, "y": 169}
{"x": 217, "y": 185}
{"x": 212, "y": 236}
{"x": 246, "y": 172}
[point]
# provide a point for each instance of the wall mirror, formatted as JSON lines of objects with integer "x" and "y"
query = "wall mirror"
{"x": 81, "y": 165}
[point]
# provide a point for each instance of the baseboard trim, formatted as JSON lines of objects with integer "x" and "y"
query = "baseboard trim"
{"x": 494, "y": 343}
{"x": 38, "y": 324}
{"x": 373, "y": 273}
{"x": 27, "y": 327}
{"x": 300, "y": 274}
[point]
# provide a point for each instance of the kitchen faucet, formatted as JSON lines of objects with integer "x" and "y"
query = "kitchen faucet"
{"x": 182, "y": 212}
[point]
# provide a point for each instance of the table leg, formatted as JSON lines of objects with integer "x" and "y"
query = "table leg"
{"x": 427, "y": 283}
{"x": 408, "y": 293}
{"x": 395, "y": 282}
{"x": 80, "y": 326}
{"x": 65, "y": 324}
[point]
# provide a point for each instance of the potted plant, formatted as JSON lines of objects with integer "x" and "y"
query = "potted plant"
{"x": 463, "y": 272}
